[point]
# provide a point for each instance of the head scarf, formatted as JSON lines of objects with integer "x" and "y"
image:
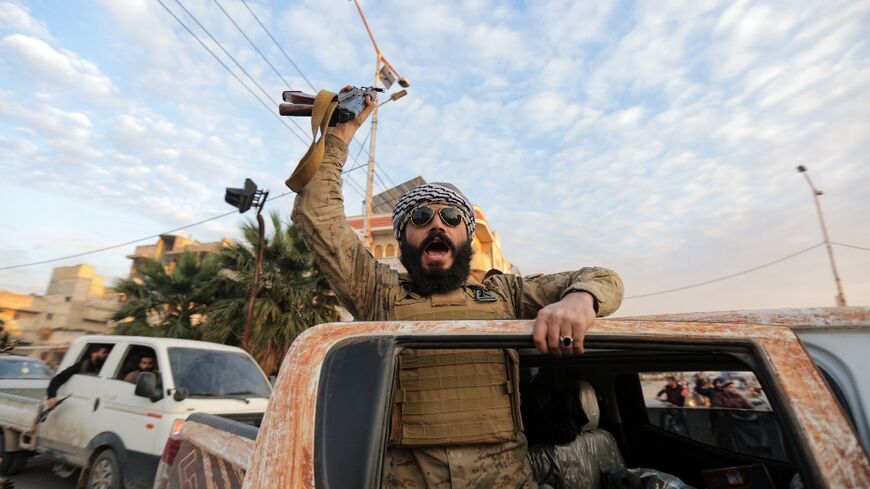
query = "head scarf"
{"x": 431, "y": 193}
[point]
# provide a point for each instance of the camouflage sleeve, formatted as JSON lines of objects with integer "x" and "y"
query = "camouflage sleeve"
{"x": 318, "y": 214}
{"x": 528, "y": 295}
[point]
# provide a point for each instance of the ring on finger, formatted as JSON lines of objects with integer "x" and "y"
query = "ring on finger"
{"x": 566, "y": 341}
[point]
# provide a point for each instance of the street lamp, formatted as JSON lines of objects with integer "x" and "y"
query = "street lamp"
{"x": 841, "y": 297}
{"x": 384, "y": 72}
{"x": 243, "y": 199}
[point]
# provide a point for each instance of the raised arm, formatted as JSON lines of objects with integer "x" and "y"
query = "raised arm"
{"x": 318, "y": 214}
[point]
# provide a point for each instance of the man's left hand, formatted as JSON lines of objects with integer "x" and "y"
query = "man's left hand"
{"x": 571, "y": 317}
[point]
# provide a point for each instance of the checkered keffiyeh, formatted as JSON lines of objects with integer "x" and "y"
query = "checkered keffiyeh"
{"x": 431, "y": 193}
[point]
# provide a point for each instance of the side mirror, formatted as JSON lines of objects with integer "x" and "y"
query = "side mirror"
{"x": 179, "y": 394}
{"x": 146, "y": 386}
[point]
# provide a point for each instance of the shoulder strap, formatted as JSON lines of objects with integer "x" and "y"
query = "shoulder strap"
{"x": 324, "y": 105}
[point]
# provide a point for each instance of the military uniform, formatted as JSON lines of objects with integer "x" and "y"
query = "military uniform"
{"x": 438, "y": 438}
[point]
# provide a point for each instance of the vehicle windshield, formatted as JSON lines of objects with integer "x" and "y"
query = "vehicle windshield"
{"x": 209, "y": 373}
{"x": 24, "y": 368}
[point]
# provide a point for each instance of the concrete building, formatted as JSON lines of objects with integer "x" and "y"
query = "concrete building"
{"x": 169, "y": 249}
{"x": 488, "y": 254}
{"x": 76, "y": 303}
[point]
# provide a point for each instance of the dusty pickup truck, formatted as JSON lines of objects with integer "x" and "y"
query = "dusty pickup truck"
{"x": 800, "y": 374}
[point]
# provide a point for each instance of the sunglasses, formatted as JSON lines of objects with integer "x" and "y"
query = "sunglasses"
{"x": 423, "y": 215}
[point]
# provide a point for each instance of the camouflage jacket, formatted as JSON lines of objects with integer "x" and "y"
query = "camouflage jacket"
{"x": 366, "y": 287}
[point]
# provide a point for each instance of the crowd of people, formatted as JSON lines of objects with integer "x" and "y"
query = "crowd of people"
{"x": 728, "y": 390}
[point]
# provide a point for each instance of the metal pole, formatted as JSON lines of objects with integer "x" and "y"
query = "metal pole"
{"x": 258, "y": 264}
{"x": 841, "y": 297}
{"x": 372, "y": 139}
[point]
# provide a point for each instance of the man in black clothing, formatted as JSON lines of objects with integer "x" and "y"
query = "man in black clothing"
{"x": 89, "y": 365}
{"x": 673, "y": 392}
{"x": 146, "y": 364}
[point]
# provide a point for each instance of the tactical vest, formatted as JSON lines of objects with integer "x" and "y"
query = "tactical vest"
{"x": 454, "y": 396}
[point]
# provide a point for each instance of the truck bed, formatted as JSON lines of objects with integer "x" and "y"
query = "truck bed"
{"x": 19, "y": 412}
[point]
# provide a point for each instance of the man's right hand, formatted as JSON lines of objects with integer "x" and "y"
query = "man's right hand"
{"x": 345, "y": 131}
{"x": 51, "y": 403}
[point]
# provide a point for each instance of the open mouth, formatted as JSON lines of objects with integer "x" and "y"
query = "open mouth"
{"x": 437, "y": 249}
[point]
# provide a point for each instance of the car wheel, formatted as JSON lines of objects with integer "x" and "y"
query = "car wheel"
{"x": 11, "y": 463}
{"x": 105, "y": 472}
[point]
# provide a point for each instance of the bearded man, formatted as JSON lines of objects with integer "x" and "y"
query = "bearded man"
{"x": 480, "y": 445}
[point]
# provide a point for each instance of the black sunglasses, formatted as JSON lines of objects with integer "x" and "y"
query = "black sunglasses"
{"x": 423, "y": 215}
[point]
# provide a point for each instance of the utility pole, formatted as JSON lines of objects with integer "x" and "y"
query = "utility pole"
{"x": 841, "y": 297}
{"x": 383, "y": 71}
{"x": 367, "y": 229}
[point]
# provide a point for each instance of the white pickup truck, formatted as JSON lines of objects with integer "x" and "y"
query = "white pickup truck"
{"x": 115, "y": 430}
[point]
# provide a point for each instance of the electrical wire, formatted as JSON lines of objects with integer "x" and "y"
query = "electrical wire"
{"x": 128, "y": 243}
{"x": 279, "y": 45}
{"x": 726, "y": 277}
{"x": 851, "y": 246}
{"x": 380, "y": 180}
{"x": 287, "y": 56}
{"x": 253, "y": 45}
{"x": 354, "y": 184}
{"x": 269, "y": 109}
{"x": 238, "y": 65}
{"x": 242, "y": 32}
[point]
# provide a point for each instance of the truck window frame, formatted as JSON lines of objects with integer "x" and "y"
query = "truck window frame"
{"x": 130, "y": 348}
{"x": 746, "y": 351}
{"x": 87, "y": 348}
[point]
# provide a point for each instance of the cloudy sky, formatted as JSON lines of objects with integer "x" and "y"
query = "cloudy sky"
{"x": 659, "y": 139}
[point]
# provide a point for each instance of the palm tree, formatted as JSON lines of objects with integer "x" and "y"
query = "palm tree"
{"x": 159, "y": 303}
{"x": 293, "y": 294}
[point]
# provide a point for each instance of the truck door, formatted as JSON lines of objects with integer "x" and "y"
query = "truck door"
{"x": 70, "y": 427}
{"x": 133, "y": 419}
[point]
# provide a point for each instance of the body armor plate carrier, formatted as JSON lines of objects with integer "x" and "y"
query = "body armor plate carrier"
{"x": 454, "y": 396}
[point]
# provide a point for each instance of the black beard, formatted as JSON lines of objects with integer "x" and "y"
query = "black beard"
{"x": 441, "y": 280}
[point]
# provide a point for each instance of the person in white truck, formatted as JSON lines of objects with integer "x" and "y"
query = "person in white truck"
{"x": 146, "y": 364}
{"x": 89, "y": 365}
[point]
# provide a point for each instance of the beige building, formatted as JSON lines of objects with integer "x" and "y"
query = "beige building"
{"x": 76, "y": 303}
{"x": 169, "y": 249}
{"x": 488, "y": 254}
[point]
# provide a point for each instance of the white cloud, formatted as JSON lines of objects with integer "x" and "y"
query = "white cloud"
{"x": 15, "y": 17}
{"x": 43, "y": 62}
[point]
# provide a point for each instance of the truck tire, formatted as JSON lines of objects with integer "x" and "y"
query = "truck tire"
{"x": 11, "y": 463}
{"x": 105, "y": 472}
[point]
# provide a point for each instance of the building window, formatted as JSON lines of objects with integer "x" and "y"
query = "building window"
{"x": 391, "y": 251}
{"x": 67, "y": 299}
{"x": 379, "y": 251}
{"x": 49, "y": 316}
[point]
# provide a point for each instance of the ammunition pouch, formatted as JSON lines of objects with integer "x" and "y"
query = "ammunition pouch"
{"x": 455, "y": 397}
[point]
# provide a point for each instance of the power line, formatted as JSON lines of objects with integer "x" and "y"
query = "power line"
{"x": 298, "y": 70}
{"x": 380, "y": 180}
{"x": 354, "y": 184}
{"x": 279, "y": 46}
{"x": 128, "y": 243}
{"x": 239, "y": 65}
{"x": 269, "y": 109}
{"x": 707, "y": 282}
{"x": 851, "y": 246}
{"x": 242, "y": 32}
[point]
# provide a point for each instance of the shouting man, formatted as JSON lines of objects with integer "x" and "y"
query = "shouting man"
{"x": 434, "y": 225}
